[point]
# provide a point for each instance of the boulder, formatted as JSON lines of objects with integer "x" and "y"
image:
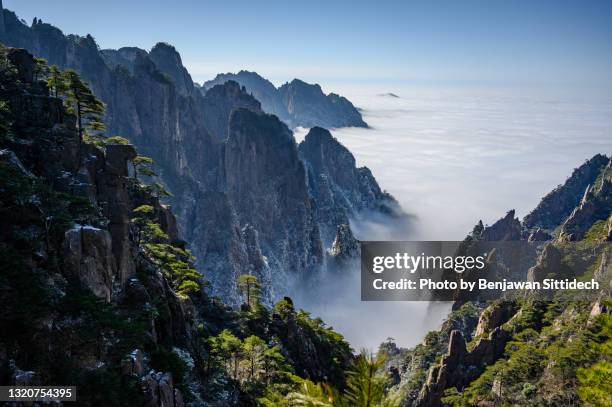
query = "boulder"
{"x": 117, "y": 157}
{"x": 88, "y": 256}
{"x": 133, "y": 364}
{"x": 494, "y": 316}
{"x": 159, "y": 390}
{"x": 539, "y": 236}
{"x": 24, "y": 62}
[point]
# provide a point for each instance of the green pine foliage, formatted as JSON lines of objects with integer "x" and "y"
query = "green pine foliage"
{"x": 595, "y": 381}
{"x": 250, "y": 289}
{"x": 366, "y": 386}
{"x": 81, "y": 101}
{"x": 172, "y": 259}
{"x": 558, "y": 356}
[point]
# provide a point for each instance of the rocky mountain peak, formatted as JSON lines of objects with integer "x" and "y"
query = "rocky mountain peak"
{"x": 507, "y": 228}
{"x": 559, "y": 203}
{"x": 308, "y": 106}
{"x": 340, "y": 189}
{"x": 300, "y": 84}
{"x": 296, "y": 103}
{"x": 125, "y": 57}
{"x": 168, "y": 61}
{"x": 325, "y": 154}
{"x": 220, "y": 101}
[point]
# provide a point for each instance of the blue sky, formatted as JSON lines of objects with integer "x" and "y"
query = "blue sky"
{"x": 558, "y": 43}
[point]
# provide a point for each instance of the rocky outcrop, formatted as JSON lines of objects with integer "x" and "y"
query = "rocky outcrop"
{"x": 539, "y": 235}
{"x": 495, "y": 315}
{"x": 460, "y": 366}
{"x": 312, "y": 355}
{"x": 112, "y": 188}
{"x": 159, "y": 391}
{"x": 9, "y": 158}
{"x": 564, "y": 209}
{"x": 559, "y": 203}
{"x": 345, "y": 247}
{"x": 596, "y": 205}
{"x": 604, "y": 269}
{"x": 69, "y": 235}
{"x": 297, "y": 103}
{"x": 598, "y": 308}
{"x": 549, "y": 262}
{"x": 157, "y": 387}
{"x": 262, "y": 89}
{"x": 340, "y": 189}
{"x": 89, "y": 258}
{"x": 507, "y": 228}
{"x": 168, "y": 61}
{"x": 133, "y": 364}
{"x": 220, "y": 101}
{"x": 266, "y": 182}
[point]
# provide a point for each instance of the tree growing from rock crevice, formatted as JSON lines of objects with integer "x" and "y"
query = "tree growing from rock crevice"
{"x": 174, "y": 261}
{"x": 143, "y": 165}
{"x": 81, "y": 101}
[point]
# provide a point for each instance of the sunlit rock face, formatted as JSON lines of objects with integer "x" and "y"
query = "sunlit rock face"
{"x": 345, "y": 247}
{"x": 559, "y": 203}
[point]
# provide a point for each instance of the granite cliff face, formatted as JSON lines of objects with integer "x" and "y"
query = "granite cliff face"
{"x": 339, "y": 188}
{"x": 220, "y": 101}
{"x": 93, "y": 272}
{"x": 262, "y": 89}
{"x": 68, "y": 240}
{"x": 595, "y": 206}
{"x": 229, "y": 173}
{"x": 559, "y": 203}
{"x": 297, "y": 103}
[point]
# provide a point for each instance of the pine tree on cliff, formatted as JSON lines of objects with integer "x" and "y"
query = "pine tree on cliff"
{"x": 142, "y": 165}
{"x": 88, "y": 109}
{"x": 249, "y": 286}
{"x": 41, "y": 69}
{"x": 55, "y": 81}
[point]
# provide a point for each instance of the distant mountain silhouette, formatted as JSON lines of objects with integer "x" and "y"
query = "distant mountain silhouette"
{"x": 297, "y": 103}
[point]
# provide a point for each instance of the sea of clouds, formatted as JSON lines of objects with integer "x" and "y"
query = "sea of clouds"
{"x": 453, "y": 156}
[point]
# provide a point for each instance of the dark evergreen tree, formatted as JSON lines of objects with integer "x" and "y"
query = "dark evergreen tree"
{"x": 81, "y": 101}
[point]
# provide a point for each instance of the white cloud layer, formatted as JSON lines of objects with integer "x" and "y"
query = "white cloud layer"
{"x": 452, "y": 157}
